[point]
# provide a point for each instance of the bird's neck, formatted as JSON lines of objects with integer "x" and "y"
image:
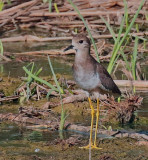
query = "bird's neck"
{"x": 82, "y": 55}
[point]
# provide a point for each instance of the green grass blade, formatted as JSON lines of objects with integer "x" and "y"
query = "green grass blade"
{"x": 109, "y": 28}
{"x": 110, "y": 66}
{"x": 1, "y": 5}
{"x": 40, "y": 80}
{"x": 1, "y": 48}
{"x": 39, "y": 71}
{"x": 56, "y": 7}
{"x": 114, "y": 53}
{"x": 134, "y": 57}
{"x": 114, "y": 37}
{"x": 50, "y": 5}
{"x": 120, "y": 30}
{"x": 44, "y": 1}
{"x": 125, "y": 60}
{"x": 48, "y": 94}
{"x": 116, "y": 44}
{"x": 54, "y": 76}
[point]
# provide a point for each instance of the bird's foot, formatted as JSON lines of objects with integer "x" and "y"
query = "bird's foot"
{"x": 90, "y": 146}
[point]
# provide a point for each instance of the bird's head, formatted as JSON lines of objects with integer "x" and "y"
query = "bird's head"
{"x": 79, "y": 42}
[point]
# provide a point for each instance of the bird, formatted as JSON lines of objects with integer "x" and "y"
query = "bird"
{"x": 92, "y": 77}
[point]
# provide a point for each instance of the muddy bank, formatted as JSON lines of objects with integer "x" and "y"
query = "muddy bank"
{"x": 116, "y": 149}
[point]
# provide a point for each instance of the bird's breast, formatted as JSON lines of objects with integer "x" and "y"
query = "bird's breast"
{"x": 85, "y": 78}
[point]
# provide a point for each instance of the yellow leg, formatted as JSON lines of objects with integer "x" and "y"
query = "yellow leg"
{"x": 92, "y": 119}
{"x": 91, "y": 128}
{"x": 90, "y": 145}
{"x": 97, "y": 121}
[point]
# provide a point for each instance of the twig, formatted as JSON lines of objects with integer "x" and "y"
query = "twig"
{"x": 9, "y": 98}
{"x": 28, "y": 38}
{"x": 16, "y": 8}
{"x": 5, "y": 58}
{"x": 47, "y": 14}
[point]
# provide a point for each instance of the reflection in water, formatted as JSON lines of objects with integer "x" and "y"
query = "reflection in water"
{"x": 10, "y": 131}
{"x": 143, "y": 111}
{"x": 15, "y": 69}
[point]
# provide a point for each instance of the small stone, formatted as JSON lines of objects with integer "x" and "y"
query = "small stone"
{"x": 37, "y": 150}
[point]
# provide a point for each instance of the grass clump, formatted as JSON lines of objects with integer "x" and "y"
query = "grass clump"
{"x": 120, "y": 40}
{"x": 33, "y": 77}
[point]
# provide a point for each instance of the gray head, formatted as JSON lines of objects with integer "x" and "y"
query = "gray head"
{"x": 79, "y": 42}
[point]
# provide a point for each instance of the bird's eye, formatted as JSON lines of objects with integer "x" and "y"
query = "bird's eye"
{"x": 81, "y": 41}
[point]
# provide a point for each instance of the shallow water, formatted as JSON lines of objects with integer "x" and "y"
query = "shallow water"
{"x": 15, "y": 69}
{"x": 17, "y": 142}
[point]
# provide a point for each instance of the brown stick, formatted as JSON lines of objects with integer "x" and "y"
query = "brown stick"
{"x": 15, "y": 9}
{"x": 9, "y": 98}
{"x": 45, "y": 52}
{"x": 47, "y": 14}
{"x": 34, "y": 38}
{"x": 128, "y": 83}
{"x": 123, "y": 83}
{"x": 5, "y": 58}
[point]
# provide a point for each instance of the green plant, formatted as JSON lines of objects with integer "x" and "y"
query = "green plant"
{"x": 8, "y": 1}
{"x": 56, "y": 7}
{"x": 30, "y": 79}
{"x": 87, "y": 28}
{"x": 134, "y": 58}
{"x": 146, "y": 16}
{"x": 63, "y": 113}
{"x": 2, "y": 53}
{"x": 76, "y": 30}
{"x": 109, "y": 128}
{"x": 1, "y": 49}
{"x": 119, "y": 41}
{"x": 131, "y": 66}
{"x": 1, "y": 5}
{"x": 144, "y": 44}
{"x": 35, "y": 78}
{"x": 133, "y": 61}
{"x": 49, "y": 4}
{"x": 60, "y": 90}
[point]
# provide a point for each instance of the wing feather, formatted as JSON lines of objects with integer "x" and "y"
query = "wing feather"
{"x": 106, "y": 80}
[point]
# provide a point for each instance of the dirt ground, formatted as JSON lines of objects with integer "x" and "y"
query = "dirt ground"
{"x": 114, "y": 149}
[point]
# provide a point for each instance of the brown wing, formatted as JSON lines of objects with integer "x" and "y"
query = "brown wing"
{"x": 106, "y": 79}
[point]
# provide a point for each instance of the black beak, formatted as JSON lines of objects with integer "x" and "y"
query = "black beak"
{"x": 68, "y": 48}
